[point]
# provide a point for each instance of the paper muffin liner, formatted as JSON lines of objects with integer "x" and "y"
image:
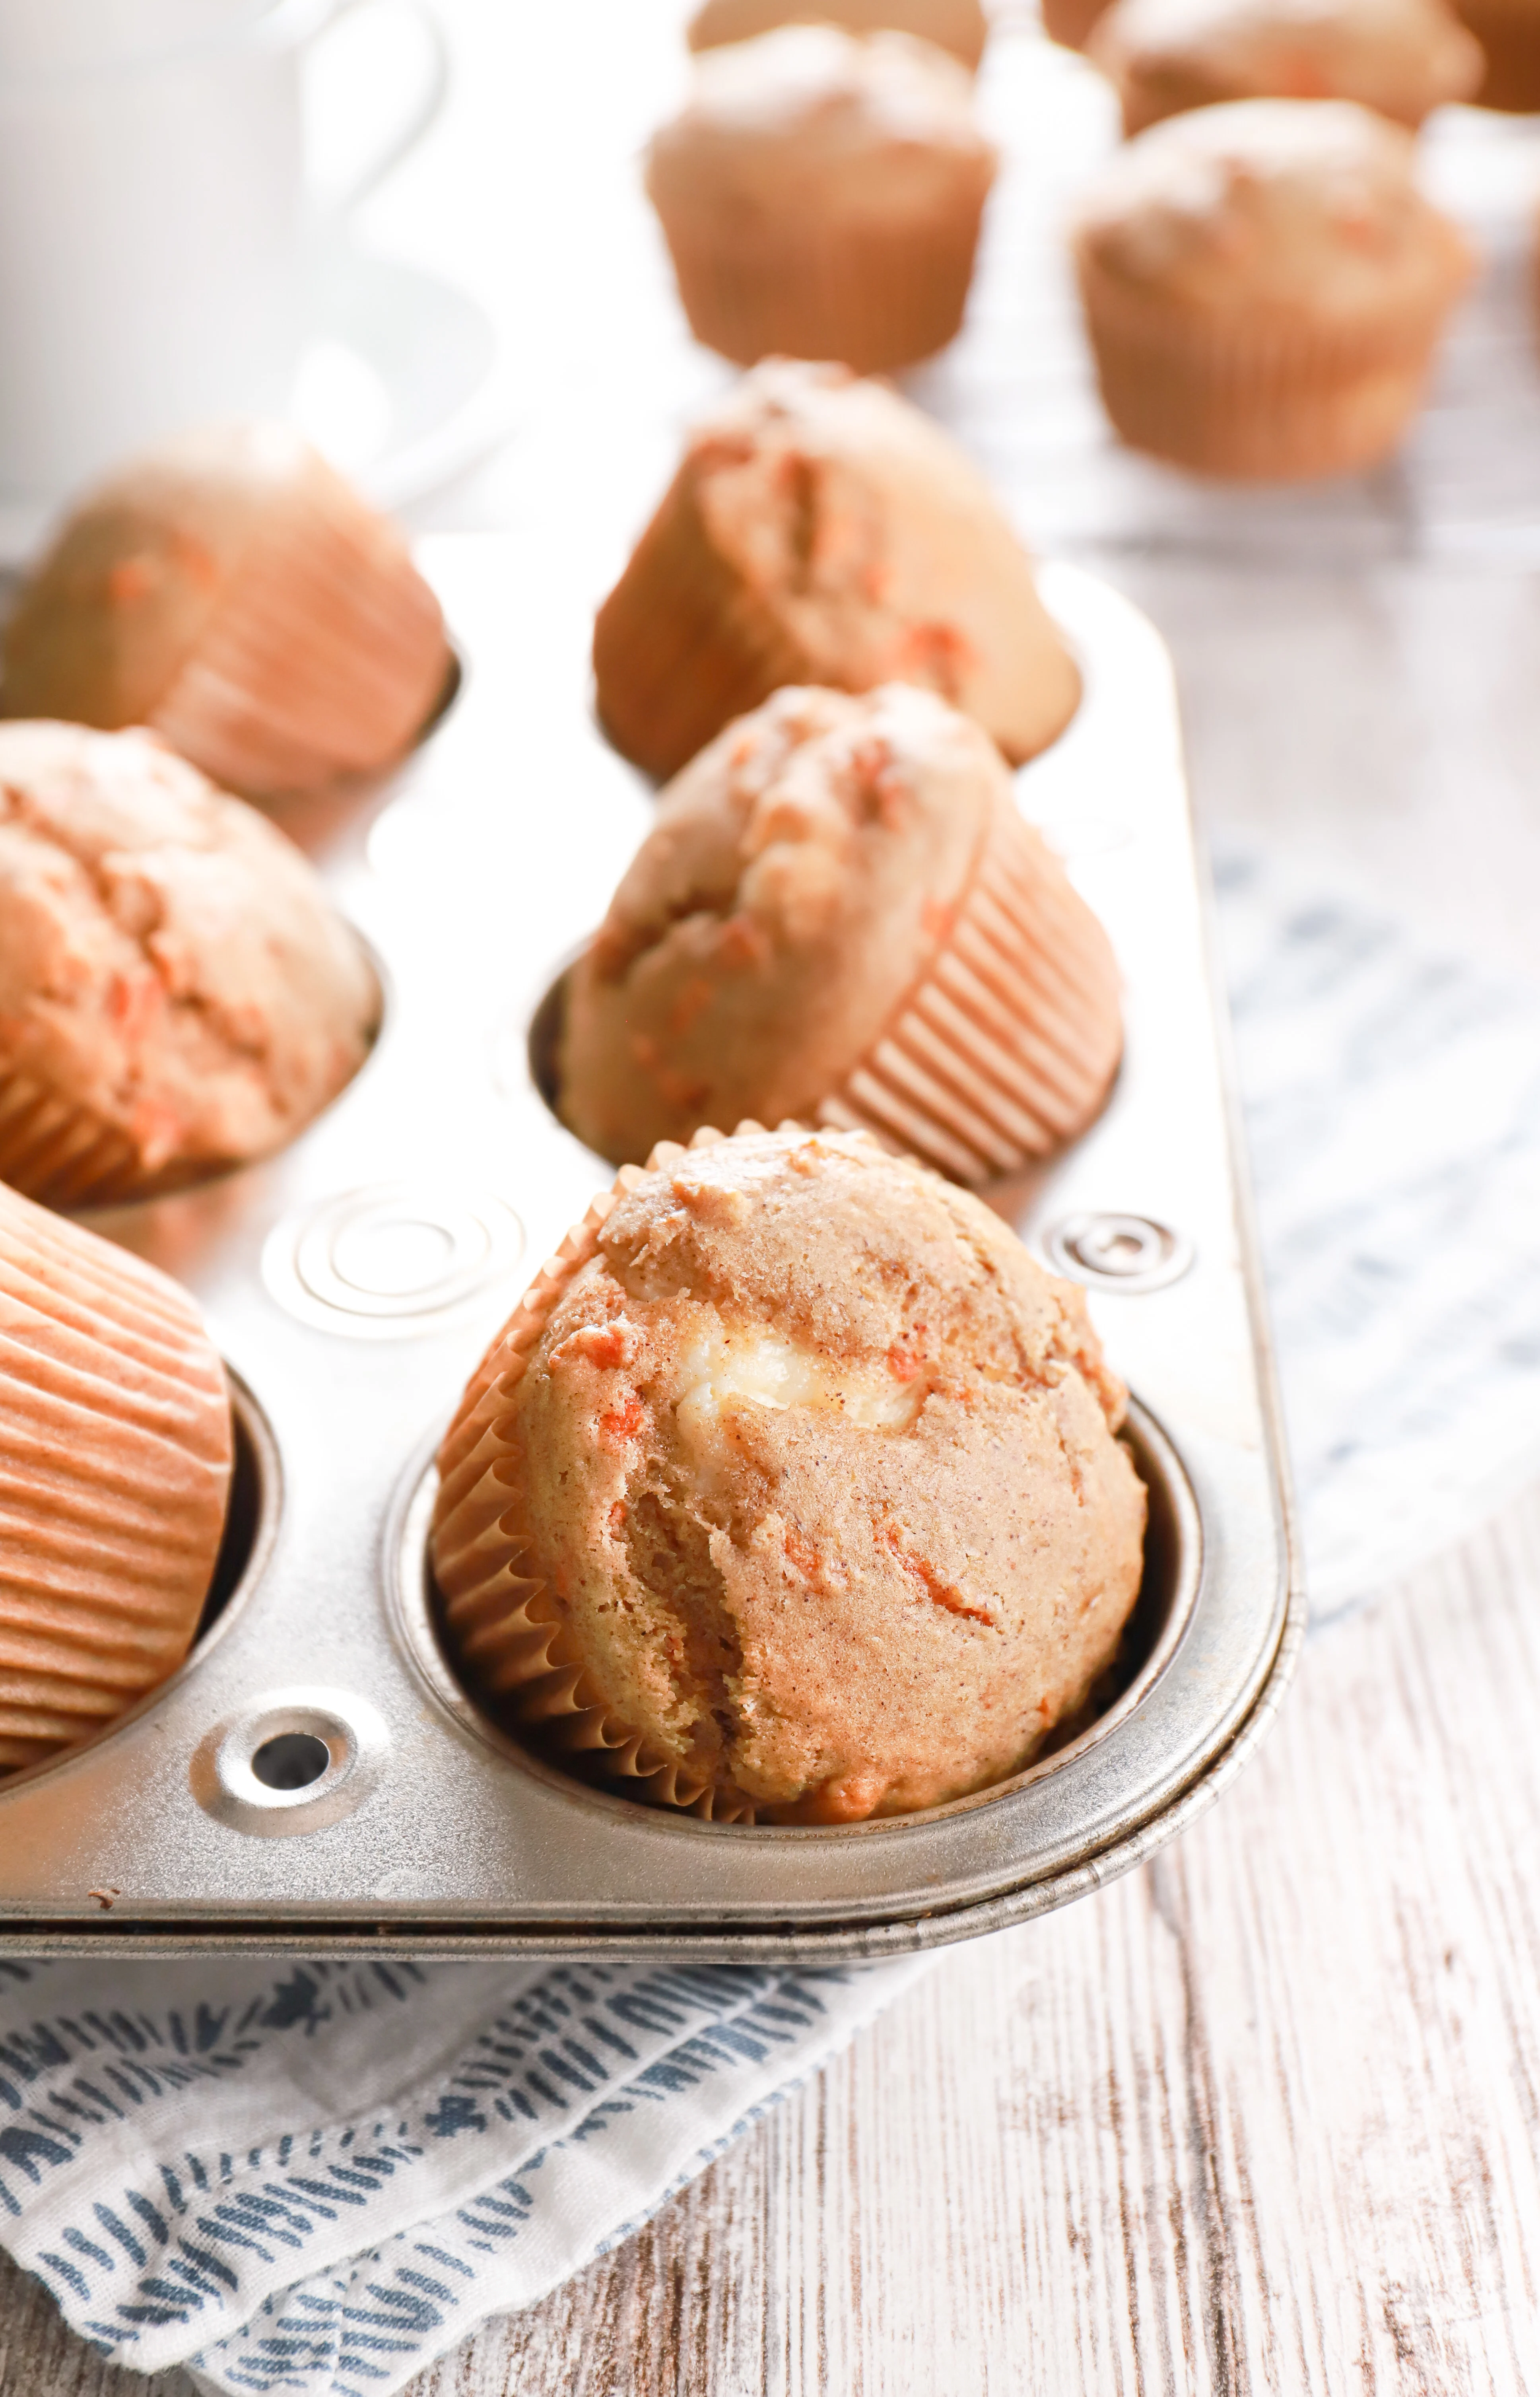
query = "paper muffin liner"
{"x": 682, "y": 645}
{"x": 1268, "y": 401}
{"x": 873, "y": 295}
{"x": 507, "y": 1635}
{"x": 326, "y": 655}
{"x": 117, "y": 1449}
{"x": 1008, "y": 1046}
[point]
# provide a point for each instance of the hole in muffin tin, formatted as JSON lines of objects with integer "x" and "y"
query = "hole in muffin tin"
{"x": 292, "y": 1760}
{"x": 1168, "y": 1592}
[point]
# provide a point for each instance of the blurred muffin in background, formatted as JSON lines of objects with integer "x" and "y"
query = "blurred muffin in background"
{"x": 1069, "y": 22}
{"x": 792, "y": 1491}
{"x": 116, "y": 1454}
{"x": 841, "y": 917}
{"x": 1265, "y": 286}
{"x": 820, "y": 192}
{"x": 1508, "y": 32}
{"x": 959, "y": 26}
{"x": 1402, "y": 57}
{"x": 822, "y": 530}
{"x": 232, "y": 591}
{"x": 177, "y": 993}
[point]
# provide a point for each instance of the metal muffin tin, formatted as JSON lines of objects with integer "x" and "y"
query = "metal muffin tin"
{"x": 352, "y": 1282}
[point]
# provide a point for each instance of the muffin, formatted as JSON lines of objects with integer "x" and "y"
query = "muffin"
{"x": 959, "y": 26}
{"x": 1508, "y": 32}
{"x": 1404, "y": 58}
{"x": 1265, "y": 286}
{"x": 840, "y": 916}
{"x": 115, "y": 1452}
{"x": 791, "y": 1491}
{"x": 232, "y": 591}
{"x": 821, "y": 194}
{"x": 177, "y": 994}
{"x": 1069, "y": 22}
{"x": 822, "y": 530}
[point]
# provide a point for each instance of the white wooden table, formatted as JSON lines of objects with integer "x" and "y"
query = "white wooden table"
{"x": 1265, "y": 2116}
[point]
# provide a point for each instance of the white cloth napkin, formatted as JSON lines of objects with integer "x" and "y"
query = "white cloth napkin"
{"x": 314, "y": 2178}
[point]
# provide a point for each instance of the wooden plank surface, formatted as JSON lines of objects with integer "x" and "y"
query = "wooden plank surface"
{"x": 1260, "y": 2118}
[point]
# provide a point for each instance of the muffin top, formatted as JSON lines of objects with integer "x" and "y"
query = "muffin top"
{"x": 817, "y": 1468}
{"x": 810, "y": 117}
{"x": 871, "y": 541}
{"x": 959, "y": 26}
{"x": 1402, "y": 57}
{"x": 137, "y": 574}
{"x": 1284, "y": 207}
{"x": 168, "y": 960}
{"x": 797, "y": 882}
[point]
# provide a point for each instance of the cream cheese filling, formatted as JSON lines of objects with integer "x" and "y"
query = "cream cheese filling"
{"x": 763, "y": 1368}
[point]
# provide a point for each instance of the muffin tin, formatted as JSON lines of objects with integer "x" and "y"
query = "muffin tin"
{"x": 314, "y": 1779}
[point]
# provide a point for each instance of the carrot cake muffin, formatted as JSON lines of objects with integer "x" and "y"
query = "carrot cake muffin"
{"x": 840, "y": 916}
{"x": 820, "y": 192}
{"x": 234, "y": 593}
{"x": 1265, "y": 286}
{"x": 792, "y": 1490}
{"x": 177, "y": 993}
{"x": 959, "y": 26}
{"x": 115, "y": 1452}
{"x": 822, "y": 530}
{"x": 1403, "y": 57}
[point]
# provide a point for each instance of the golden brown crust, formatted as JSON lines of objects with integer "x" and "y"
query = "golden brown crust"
{"x": 839, "y": 903}
{"x": 1402, "y": 57}
{"x": 116, "y": 1448}
{"x": 177, "y": 993}
{"x": 804, "y": 1474}
{"x": 234, "y": 591}
{"x": 822, "y": 530}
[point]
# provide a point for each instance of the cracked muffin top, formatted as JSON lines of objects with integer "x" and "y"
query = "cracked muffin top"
{"x": 874, "y": 543}
{"x": 818, "y": 1470}
{"x": 800, "y": 877}
{"x": 169, "y": 963}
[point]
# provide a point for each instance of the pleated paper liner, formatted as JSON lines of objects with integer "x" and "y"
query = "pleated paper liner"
{"x": 326, "y": 654}
{"x": 683, "y": 644}
{"x": 507, "y": 1632}
{"x": 117, "y": 1449}
{"x": 66, "y": 1155}
{"x": 876, "y": 295}
{"x": 1270, "y": 401}
{"x": 1008, "y": 1047}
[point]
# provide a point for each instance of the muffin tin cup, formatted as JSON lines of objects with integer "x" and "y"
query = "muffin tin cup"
{"x": 1258, "y": 400}
{"x": 352, "y": 1282}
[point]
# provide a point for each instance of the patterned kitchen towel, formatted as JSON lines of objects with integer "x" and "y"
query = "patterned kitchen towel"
{"x": 318, "y": 2177}
{"x": 315, "y": 2178}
